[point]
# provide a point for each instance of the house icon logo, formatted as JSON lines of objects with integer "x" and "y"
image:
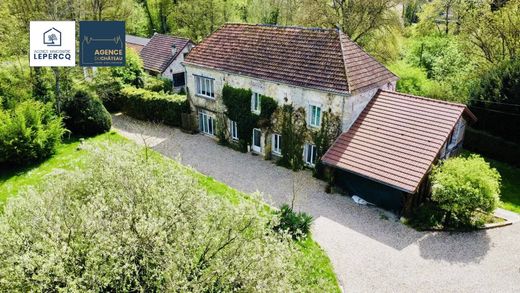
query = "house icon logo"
{"x": 52, "y": 37}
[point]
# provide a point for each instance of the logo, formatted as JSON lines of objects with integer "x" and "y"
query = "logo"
{"x": 52, "y": 43}
{"x": 52, "y": 37}
{"x": 102, "y": 43}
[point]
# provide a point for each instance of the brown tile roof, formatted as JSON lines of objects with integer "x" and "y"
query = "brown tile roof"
{"x": 157, "y": 54}
{"x": 396, "y": 139}
{"x": 309, "y": 57}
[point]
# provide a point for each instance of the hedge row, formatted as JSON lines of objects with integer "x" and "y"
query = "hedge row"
{"x": 492, "y": 146}
{"x": 152, "y": 106}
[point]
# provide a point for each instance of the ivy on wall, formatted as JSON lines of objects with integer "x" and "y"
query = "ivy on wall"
{"x": 323, "y": 138}
{"x": 290, "y": 123}
{"x": 238, "y": 105}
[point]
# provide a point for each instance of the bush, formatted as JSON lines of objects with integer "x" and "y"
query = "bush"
{"x": 86, "y": 115}
{"x": 152, "y": 106}
{"x": 298, "y": 225}
{"x": 28, "y": 133}
{"x": 158, "y": 84}
{"x": 132, "y": 73}
{"x": 464, "y": 188}
{"x": 108, "y": 90}
{"x": 125, "y": 224}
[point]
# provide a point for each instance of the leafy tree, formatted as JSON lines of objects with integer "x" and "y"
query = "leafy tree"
{"x": 465, "y": 187}
{"x": 492, "y": 35}
{"x": 128, "y": 224}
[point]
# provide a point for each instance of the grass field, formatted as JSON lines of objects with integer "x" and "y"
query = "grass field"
{"x": 70, "y": 156}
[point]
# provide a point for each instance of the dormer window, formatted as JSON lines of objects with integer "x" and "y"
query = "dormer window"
{"x": 255, "y": 103}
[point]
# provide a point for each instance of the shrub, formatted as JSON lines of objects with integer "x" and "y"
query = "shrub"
{"x": 465, "y": 187}
{"x": 28, "y": 133}
{"x": 298, "y": 225}
{"x": 158, "y": 84}
{"x": 108, "y": 90}
{"x": 132, "y": 73}
{"x": 86, "y": 115}
{"x": 152, "y": 106}
{"x": 128, "y": 224}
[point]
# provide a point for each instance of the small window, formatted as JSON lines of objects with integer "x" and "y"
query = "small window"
{"x": 309, "y": 154}
{"x": 277, "y": 144}
{"x": 206, "y": 123}
{"x": 314, "y": 116}
{"x": 205, "y": 86}
{"x": 255, "y": 103}
{"x": 233, "y": 130}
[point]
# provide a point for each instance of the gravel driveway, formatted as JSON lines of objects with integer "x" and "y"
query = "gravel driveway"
{"x": 370, "y": 252}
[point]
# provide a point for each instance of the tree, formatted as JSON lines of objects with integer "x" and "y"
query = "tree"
{"x": 492, "y": 35}
{"x": 126, "y": 224}
{"x": 465, "y": 187}
{"x": 370, "y": 23}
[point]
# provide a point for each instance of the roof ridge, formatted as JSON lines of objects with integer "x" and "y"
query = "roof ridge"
{"x": 266, "y": 25}
{"x": 425, "y": 98}
{"x": 171, "y": 36}
{"x": 343, "y": 58}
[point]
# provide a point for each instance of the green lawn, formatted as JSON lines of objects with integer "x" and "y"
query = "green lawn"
{"x": 68, "y": 157}
{"x": 510, "y": 191}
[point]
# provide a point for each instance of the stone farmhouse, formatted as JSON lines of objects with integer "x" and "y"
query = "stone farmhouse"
{"x": 386, "y": 142}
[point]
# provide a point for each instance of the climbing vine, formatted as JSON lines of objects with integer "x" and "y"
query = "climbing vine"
{"x": 323, "y": 138}
{"x": 238, "y": 105}
{"x": 290, "y": 123}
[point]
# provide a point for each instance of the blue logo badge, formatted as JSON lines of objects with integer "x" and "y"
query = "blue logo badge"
{"x": 102, "y": 43}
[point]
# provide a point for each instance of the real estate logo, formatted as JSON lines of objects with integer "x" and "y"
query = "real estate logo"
{"x": 52, "y": 43}
{"x": 102, "y": 43}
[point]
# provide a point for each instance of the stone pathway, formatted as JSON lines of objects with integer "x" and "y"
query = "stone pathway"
{"x": 370, "y": 251}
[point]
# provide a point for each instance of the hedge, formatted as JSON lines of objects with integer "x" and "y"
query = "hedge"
{"x": 492, "y": 146}
{"x": 153, "y": 106}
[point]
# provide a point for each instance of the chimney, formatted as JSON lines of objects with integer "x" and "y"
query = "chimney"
{"x": 174, "y": 49}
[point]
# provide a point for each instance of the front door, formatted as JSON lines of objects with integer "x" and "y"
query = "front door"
{"x": 257, "y": 147}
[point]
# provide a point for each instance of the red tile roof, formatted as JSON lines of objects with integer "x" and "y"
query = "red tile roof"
{"x": 396, "y": 139}
{"x": 157, "y": 54}
{"x": 309, "y": 57}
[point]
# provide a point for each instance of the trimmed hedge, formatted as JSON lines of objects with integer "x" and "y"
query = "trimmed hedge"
{"x": 152, "y": 106}
{"x": 492, "y": 146}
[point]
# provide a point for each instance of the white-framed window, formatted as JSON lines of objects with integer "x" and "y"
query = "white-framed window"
{"x": 205, "y": 86}
{"x": 314, "y": 115}
{"x": 276, "y": 144}
{"x": 207, "y": 123}
{"x": 309, "y": 154}
{"x": 255, "y": 103}
{"x": 233, "y": 129}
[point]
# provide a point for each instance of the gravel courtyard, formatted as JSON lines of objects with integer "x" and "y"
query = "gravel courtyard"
{"x": 370, "y": 251}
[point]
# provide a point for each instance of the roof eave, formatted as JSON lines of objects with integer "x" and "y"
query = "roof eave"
{"x": 371, "y": 178}
{"x": 328, "y": 90}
